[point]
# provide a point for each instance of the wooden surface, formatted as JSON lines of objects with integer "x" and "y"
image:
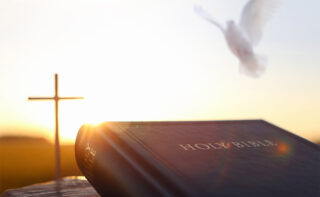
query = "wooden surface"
{"x": 70, "y": 186}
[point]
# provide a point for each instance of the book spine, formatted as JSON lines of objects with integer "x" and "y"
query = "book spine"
{"x": 114, "y": 169}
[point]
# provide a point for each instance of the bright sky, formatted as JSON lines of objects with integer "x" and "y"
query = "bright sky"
{"x": 152, "y": 60}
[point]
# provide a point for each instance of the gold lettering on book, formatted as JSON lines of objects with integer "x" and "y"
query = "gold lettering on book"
{"x": 214, "y": 146}
{"x": 227, "y": 145}
{"x": 202, "y": 146}
{"x": 253, "y": 143}
{"x": 89, "y": 157}
{"x": 223, "y": 145}
{"x": 237, "y": 144}
{"x": 187, "y": 147}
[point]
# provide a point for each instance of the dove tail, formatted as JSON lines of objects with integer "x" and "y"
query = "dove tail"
{"x": 254, "y": 66}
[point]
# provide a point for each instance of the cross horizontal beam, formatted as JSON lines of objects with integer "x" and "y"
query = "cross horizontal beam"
{"x": 41, "y": 98}
{"x": 66, "y": 98}
{"x": 54, "y": 98}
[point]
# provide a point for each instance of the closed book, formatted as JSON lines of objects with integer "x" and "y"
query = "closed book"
{"x": 197, "y": 158}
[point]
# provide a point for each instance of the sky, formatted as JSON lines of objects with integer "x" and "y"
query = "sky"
{"x": 152, "y": 60}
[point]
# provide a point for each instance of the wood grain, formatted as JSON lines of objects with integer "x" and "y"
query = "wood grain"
{"x": 70, "y": 186}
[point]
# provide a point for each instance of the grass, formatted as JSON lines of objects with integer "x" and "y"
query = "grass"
{"x": 25, "y": 161}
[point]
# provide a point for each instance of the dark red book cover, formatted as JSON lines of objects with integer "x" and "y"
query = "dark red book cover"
{"x": 197, "y": 158}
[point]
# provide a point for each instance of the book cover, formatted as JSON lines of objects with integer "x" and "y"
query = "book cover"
{"x": 197, "y": 158}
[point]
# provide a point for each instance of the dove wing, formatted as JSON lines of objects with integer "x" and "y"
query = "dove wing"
{"x": 201, "y": 12}
{"x": 255, "y": 14}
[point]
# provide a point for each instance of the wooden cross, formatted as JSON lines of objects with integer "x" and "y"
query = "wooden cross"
{"x": 56, "y": 99}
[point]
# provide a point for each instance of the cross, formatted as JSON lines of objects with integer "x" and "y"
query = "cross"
{"x": 56, "y": 99}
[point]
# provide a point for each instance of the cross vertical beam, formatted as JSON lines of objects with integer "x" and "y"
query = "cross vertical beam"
{"x": 56, "y": 99}
{"x": 56, "y": 139}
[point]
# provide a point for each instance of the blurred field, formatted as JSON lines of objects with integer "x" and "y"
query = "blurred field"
{"x": 25, "y": 161}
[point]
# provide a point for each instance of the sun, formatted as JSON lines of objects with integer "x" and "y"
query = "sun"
{"x": 96, "y": 109}
{"x": 74, "y": 114}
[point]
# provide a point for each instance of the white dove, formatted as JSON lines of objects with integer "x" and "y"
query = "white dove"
{"x": 242, "y": 37}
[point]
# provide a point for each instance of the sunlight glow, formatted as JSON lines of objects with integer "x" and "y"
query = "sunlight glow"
{"x": 151, "y": 60}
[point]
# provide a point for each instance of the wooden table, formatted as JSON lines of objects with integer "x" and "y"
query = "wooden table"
{"x": 69, "y": 186}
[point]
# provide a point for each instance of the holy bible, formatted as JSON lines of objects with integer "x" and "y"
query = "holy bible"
{"x": 197, "y": 158}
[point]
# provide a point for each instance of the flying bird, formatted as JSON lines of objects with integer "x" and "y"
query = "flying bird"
{"x": 244, "y": 36}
